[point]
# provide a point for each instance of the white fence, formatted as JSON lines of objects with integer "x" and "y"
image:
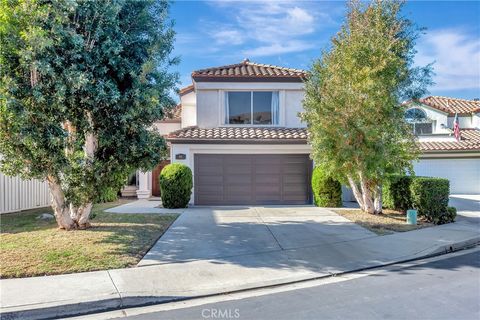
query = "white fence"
{"x": 17, "y": 194}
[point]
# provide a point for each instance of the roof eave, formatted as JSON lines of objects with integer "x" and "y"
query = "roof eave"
{"x": 236, "y": 141}
{"x": 198, "y": 78}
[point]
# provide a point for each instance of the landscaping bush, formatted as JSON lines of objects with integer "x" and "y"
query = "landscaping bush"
{"x": 450, "y": 215}
{"x": 175, "y": 185}
{"x": 430, "y": 198}
{"x": 327, "y": 192}
{"x": 107, "y": 195}
{"x": 396, "y": 192}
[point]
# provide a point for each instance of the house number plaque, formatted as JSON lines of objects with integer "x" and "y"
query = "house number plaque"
{"x": 180, "y": 156}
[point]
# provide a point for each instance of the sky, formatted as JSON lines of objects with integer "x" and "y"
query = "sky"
{"x": 293, "y": 33}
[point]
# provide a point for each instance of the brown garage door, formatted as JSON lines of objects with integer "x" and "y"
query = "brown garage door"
{"x": 252, "y": 179}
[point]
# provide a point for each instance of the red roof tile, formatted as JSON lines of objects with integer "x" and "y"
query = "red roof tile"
{"x": 186, "y": 90}
{"x": 470, "y": 141}
{"x": 173, "y": 115}
{"x": 452, "y": 105}
{"x": 239, "y": 135}
{"x": 248, "y": 71}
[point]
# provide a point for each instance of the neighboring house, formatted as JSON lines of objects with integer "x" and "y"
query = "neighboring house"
{"x": 241, "y": 135}
{"x": 442, "y": 155}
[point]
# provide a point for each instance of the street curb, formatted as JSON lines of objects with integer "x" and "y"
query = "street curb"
{"x": 91, "y": 307}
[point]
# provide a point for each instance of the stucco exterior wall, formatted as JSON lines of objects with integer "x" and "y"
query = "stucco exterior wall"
{"x": 210, "y": 106}
{"x": 476, "y": 121}
{"x": 189, "y": 110}
{"x": 465, "y": 121}
{"x": 208, "y": 110}
{"x": 293, "y": 106}
{"x": 164, "y": 128}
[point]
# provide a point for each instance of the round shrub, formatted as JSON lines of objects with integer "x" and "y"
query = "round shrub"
{"x": 430, "y": 198}
{"x": 396, "y": 192}
{"x": 327, "y": 192}
{"x": 176, "y": 185}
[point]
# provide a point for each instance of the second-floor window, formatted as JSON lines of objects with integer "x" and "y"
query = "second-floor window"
{"x": 419, "y": 121}
{"x": 252, "y": 107}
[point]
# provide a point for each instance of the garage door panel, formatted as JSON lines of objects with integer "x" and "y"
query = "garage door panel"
{"x": 238, "y": 179}
{"x": 211, "y": 179}
{"x": 238, "y": 169}
{"x": 237, "y": 198}
{"x": 209, "y": 161}
{"x": 294, "y": 179}
{"x": 252, "y": 179}
{"x": 267, "y": 160}
{"x": 294, "y": 189}
{"x": 208, "y": 169}
{"x": 464, "y": 174}
{"x": 267, "y": 179}
{"x": 268, "y": 169}
{"x": 267, "y": 189}
{"x": 209, "y": 189}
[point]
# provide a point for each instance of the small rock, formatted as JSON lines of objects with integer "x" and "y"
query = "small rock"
{"x": 45, "y": 216}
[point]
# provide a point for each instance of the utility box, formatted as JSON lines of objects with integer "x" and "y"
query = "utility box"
{"x": 411, "y": 216}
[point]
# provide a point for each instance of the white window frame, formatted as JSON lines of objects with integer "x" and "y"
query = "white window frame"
{"x": 413, "y": 123}
{"x": 225, "y": 114}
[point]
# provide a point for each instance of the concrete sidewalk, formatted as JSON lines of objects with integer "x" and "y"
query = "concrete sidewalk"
{"x": 57, "y": 296}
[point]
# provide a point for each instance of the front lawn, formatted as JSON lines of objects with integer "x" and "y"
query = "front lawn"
{"x": 32, "y": 247}
{"x": 389, "y": 222}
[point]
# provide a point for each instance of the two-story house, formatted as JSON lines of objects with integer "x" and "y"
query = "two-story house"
{"x": 240, "y": 133}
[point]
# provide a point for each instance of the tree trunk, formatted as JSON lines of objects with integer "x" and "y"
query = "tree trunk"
{"x": 356, "y": 192}
{"x": 82, "y": 215}
{"x": 68, "y": 217}
{"x": 378, "y": 203}
{"x": 367, "y": 195}
{"x": 60, "y": 208}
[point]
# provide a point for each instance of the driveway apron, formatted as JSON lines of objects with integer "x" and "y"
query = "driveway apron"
{"x": 202, "y": 233}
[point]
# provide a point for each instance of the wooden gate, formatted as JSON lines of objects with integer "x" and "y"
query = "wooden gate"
{"x": 155, "y": 177}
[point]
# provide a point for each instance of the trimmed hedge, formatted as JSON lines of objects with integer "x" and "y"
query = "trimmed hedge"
{"x": 426, "y": 194}
{"x": 176, "y": 185}
{"x": 396, "y": 193}
{"x": 430, "y": 198}
{"x": 327, "y": 192}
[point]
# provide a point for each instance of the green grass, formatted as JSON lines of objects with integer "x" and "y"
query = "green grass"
{"x": 390, "y": 221}
{"x": 32, "y": 247}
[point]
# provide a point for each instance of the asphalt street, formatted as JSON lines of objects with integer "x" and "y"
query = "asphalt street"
{"x": 447, "y": 288}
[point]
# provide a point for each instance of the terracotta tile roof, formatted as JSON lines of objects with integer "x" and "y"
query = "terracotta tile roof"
{"x": 452, "y": 105}
{"x": 470, "y": 141}
{"x": 173, "y": 115}
{"x": 186, "y": 90}
{"x": 249, "y": 71}
{"x": 239, "y": 135}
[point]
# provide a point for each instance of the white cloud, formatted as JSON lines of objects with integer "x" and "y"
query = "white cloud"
{"x": 278, "y": 48}
{"x": 270, "y": 27}
{"x": 456, "y": 54}
{"x": 232, "y": 37}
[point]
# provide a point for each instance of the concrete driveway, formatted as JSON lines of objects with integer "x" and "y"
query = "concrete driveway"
{"x": 468, "y": 207}
{"x": 222, "y": 233}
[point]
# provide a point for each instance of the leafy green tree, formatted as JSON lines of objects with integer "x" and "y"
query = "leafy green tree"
{"x": 353, "y": 94}
{"x": 81, "y": 84}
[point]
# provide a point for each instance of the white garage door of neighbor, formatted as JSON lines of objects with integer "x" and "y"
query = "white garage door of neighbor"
{"x": 464, "y": 174}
